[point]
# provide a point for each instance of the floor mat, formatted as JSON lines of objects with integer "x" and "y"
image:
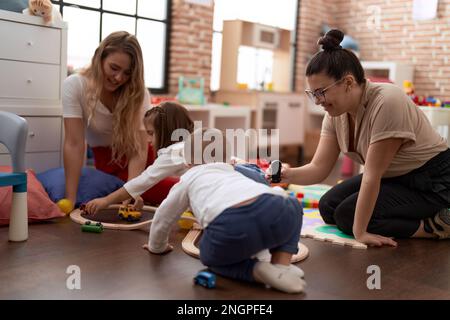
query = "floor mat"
{"x": 313, "y": 225}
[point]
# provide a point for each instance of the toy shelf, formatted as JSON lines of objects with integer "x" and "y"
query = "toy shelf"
{"x": 440, "y": 120}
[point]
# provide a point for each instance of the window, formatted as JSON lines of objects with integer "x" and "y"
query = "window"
{"x": 90, "y": 21}
{"x": 254, "y": 65}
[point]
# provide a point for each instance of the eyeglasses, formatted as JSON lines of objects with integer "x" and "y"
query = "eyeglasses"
{"x": 319, "y": 94}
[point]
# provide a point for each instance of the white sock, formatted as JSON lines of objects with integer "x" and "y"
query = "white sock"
{"x": 292, "y": 268}
{"x": 278, "y": 277}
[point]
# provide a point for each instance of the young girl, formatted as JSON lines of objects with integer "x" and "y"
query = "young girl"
{"x": 160, "y": 122}
{"x": 239, "y": 216}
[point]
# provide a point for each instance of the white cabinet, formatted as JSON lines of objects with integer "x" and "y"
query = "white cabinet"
{"x": 270, "y": 110}
{"x": 221, "y": 117}
{"x": 283, "y": 112}
{"x": 33, "y": 64}
{"x": 393, "y": 71}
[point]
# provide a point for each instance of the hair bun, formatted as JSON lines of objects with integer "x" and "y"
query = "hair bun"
{"x": 331, "y": 40}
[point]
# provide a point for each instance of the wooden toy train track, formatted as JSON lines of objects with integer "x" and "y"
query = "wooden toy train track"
{"x": 190, "y": 246}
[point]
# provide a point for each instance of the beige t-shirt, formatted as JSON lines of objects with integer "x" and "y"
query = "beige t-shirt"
{"x": 386, "y": 112}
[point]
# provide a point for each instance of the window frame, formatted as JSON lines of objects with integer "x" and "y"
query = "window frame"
{"x": 168, "y": 22}
{"x": 293, "y": 47}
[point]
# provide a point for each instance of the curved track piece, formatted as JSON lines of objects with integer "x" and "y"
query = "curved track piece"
{"x": 192, "y": 238}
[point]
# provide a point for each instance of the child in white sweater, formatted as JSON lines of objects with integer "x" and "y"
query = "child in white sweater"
{"x": 240, "y": 218}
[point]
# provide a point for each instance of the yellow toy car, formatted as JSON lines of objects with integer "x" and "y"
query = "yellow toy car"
{"x": 129, "y": 214}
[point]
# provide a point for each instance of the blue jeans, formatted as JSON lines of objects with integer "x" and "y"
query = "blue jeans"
{"x": 231, "y": 239}
{"x": 252, "y": 171}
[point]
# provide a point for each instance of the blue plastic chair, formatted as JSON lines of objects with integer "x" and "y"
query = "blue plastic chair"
{"x": 13, "y": 134}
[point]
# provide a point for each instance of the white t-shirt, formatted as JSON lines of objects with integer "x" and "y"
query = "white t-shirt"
{"x": 99, "y": 131}
{"x": 170, "y": 162}
{"x": 208, "y": 189}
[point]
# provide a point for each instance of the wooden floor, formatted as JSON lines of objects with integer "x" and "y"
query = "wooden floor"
{"x": 113, "y": 266}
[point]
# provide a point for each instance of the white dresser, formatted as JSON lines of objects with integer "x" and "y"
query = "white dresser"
{"x": 33, "y": 66}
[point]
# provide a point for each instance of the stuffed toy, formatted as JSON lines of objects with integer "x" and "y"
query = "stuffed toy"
{"x": 44, "y": 9}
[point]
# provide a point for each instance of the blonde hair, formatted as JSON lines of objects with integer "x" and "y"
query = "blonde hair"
{"x": 126, "y": 113}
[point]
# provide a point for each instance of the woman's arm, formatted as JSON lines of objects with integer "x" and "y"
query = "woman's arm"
{"x": 379, "y": 157}
{"x": 319, "y": 168}
{"x": 136, "y": 164}
{"x": 73, "y": 154}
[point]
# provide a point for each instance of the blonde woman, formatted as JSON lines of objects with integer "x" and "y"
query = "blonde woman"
{"x": 104, "y": 105}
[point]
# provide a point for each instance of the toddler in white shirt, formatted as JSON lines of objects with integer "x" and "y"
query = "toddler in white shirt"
{"x": 240, "y": 217}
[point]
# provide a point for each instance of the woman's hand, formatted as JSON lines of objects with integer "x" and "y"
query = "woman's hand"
{"x": 167, "y": 250}
{"x": 375, "y": 240}
{"x": 286, "y": 173}
{"x": 93, "y": 206}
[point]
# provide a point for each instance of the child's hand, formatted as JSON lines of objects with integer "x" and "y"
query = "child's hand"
{"x": 138, "y": 203}
{"x": 125, "y": 203}
{"x": 93, "y": 206}
{"x": 167, "y": 250}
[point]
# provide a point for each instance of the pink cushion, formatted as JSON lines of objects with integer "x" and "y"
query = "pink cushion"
{"x": 40, "y": 207}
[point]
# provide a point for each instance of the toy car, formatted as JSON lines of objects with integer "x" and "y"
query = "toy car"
{"x": 90, "y": 226}
{"x": 127, "y": 213}
{"x": 275, "y": 168}
{"x": 205, "y": 279}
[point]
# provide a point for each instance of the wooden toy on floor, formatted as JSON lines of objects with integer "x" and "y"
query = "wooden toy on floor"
{"x": 88, "y": 226}
{"x": 186, "y": 220}
{"x": 190, "y": 242}
{"x": 129, "y": 214}
{"x": 110, "y": 219}
{"x": 65, "y": 205}
{"x": 206, "y": 279}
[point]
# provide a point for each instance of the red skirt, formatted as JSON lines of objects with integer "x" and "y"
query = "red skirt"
{"x": 153, "y": 196}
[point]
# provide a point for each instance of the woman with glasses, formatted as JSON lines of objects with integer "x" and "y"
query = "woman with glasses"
{"x": 405, "y": 188}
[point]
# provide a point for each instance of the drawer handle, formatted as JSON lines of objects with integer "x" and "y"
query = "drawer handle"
{"x": 29, "y": 80}
{"x": 31, "y": 134}
{"x": 30, "y": 43}
{"x": 271, "y": 105}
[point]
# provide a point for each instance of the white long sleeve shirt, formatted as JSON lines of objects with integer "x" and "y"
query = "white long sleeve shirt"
{"x": 208, "y": 190}
{"x": 170, "y": 162}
